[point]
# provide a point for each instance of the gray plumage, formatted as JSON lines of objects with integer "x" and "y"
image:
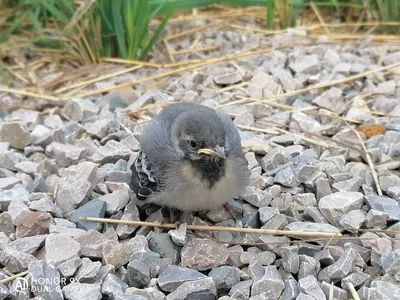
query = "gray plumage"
{"x": 173, "y": 169}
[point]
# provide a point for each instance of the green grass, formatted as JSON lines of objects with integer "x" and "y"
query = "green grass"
{"x": 121, "y": 28}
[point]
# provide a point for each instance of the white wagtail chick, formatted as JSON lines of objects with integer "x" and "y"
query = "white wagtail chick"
{"x": 190, "y": 159}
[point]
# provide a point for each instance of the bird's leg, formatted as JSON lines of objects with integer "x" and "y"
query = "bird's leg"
{"x": 228, "y": 208}
{"x": 173, "y": 217}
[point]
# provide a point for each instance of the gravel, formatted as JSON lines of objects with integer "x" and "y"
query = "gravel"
{"x": 74, "y": 160}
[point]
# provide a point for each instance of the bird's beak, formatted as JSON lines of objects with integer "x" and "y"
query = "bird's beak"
{"x": 216, "y": 152}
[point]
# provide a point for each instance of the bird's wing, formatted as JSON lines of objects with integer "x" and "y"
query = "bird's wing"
{"x": 233, "y": 141}
{"x": 143, "y": 183}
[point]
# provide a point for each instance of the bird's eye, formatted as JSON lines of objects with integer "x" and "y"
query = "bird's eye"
{"x": 193, "y": 143}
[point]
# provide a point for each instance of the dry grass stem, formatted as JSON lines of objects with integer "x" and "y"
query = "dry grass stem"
{"x": 191, "y": 50}
{"x": 193, "y": 30}
{"x": 86, "y": 83}
{"x": 29, "y": 94}
{"x": 369, "y": 161}
{"x": 11, "y": 278}
{"x": 353, "y": 291}
{"x": 215, "y": 228}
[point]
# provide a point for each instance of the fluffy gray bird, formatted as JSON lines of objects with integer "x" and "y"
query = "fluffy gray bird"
{"x": 190, "y": 159}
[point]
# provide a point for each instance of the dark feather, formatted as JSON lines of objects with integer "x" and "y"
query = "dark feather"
{"x": 143, "y": 182}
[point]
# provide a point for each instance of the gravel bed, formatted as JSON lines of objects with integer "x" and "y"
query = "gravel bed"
{"x": 312, "y": 175}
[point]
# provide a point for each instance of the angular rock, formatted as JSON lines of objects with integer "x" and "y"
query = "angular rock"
{"x": 225, "y": 277}
{"x": 68, "y": 268}
{"x": 79, "y": 109}
{"x": 113, "y": 287}
{"x": 28, "y": 245}
{"x": 197, "y": 289}
{"x": 173, "y": 276}
{"x": 72, "y": 192}
{"x": 193, "y": 254}
{"x": 270, "y": 285}
{"x": 34, "y": 223}
{"x": 162, "y": 244}
{"x": 310, "y": 286}
{"x": 335, "y": 205}
{"x": 332, "y": 99}
{"x": 88, "y": 271}
{"x": 131, "y": 213}
{"x": 384, "y": 204}
{"x": 79, "y": 291}
{"x": 92, "y": 243}
{"x": 94, "y": 209}
{"x": 60, "y": 248}
{"x": 138, "y": 273}
{"x": 111, "y": 152}
{"x": 64, "y": 154}
{"x": 41, "y": 272}
{"x": 15, "y": 134}
{"x": 116, "y": 201}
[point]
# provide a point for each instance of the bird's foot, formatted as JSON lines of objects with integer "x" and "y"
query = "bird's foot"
{"x": 228, "y": 208}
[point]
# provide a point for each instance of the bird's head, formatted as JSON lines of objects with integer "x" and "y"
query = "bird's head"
{"x": 201, "y": 136}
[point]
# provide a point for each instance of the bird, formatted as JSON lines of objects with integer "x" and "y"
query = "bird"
{"x": 190, "y": 159}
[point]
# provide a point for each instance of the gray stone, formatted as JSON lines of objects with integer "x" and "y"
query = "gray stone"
{"x": 270, "y": 285}
{"x": 153, "y": 260}
{"x": 4, "y": 240}
{"x": 101, "y": 127}
{"x": 119, "y": 254}
{"x": 310, "y": 226}
{"x": 73, "y": 232}
{"x": 79, "y": 291}
{"x": 116, "y": 201}
{"x": 356, "y": 279}
{"x": 6, "y": 224}
{"x": 241, "y": 290}
{"x": 27, "y": 167}
{"x": 376, "y": 219}
{"x": 332, "y": 99}
{"x": 178, "y": 235}
{"x": 162, "y": 244}
{"x": 193, "y": 253}
{"x": 173, "y": 276}
{"x": 274, "y": 159}
{"x": 71, "y": 193}
{"x": 40, "y": 272}
{"x": 338, "y": 293}
{"x": 201, "y": 289}
{"x": 353, "y": 219}
{"x": 68, "y": 268}
{"x": 225, "y": 277}
{"x": 64, "y": 154}
{"x": 287, "y": 177}
{"x": 256, "y": 197}
{"x": 342, "y": 267}
{"x": 18, "y": 193}
{"x": 383, "y": 290}
{"x": 384, "y": 204}
{"x": 228, "y": 78}
{"x": 80, "y": 109}
{"x": 138, "y": 273}
{"x": 291, "y": 290}
{"x": 113, "y": 287}
{"x": 8, "y": 182}
{"x": 307, "y": 64}
{"x": 333, "y": 206}
{"x": 92, "y": 243}
{"x": 111, "y": 152}
{"x": 290, "y": 258}
{"x": 28, "y": 245}
{"x": 131, "y": 213}
{"x": 391, "y": 263}
{"x": 310, "y": 286}
{"x": 15, "y": 261}
{"x": 60, "y": 248}
{"x": 15, "y": 134}
{"x": 45, "y": 205}
{"x": 88, "y": 271}
{"x": 94, "y": 209}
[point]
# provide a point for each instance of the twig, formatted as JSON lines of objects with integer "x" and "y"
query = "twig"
{"x": 29, "y": 94}
{"x": 313, "y": 87}
{"x": 353, "y": 291}
{"x": 210, "y": 48}
{"x": 96, "y": 79}
{"x": 11, "y": 278}
{"x": 369, "y": 161}
{"x": 215, "y": 228}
